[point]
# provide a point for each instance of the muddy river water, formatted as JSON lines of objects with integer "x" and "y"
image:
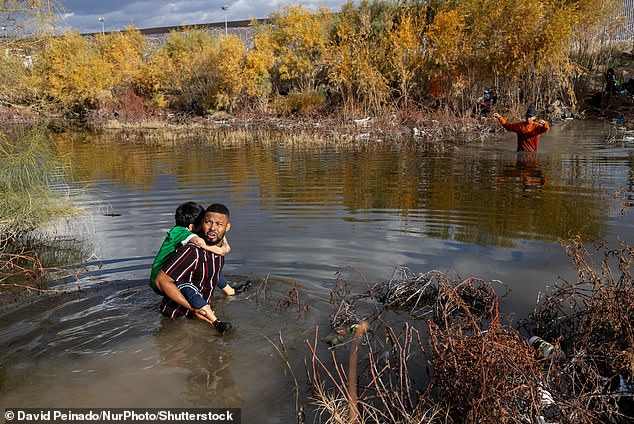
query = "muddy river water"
{"x": 299, "y": 216}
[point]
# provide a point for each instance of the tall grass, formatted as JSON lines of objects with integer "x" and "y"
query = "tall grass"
{"x": 31, "y": 192}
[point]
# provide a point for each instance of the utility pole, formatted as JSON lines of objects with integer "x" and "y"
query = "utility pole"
{"x": 224, "y": 9}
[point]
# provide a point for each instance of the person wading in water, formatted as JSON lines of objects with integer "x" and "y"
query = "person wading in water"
{"x": 527, "y": 131}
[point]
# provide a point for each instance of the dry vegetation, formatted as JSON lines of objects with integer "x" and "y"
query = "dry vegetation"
{"x": 32, "y": 195}
{"x": 592, "y": 321}
{"x": 430, "y": 348}
{"x": 31, "y": 189}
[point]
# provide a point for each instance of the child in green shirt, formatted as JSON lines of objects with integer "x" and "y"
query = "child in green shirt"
{"x": 181, "y": 234}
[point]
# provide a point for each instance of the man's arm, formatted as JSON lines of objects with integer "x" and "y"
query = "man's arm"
{"x": 544, "y": 126}
{"x": 505, "y": 124}
{"x": 167, "y": 285}
{"x": 218, "y": 249}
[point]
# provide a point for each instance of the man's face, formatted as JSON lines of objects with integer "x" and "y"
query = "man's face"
{"x": 214, "y": 227}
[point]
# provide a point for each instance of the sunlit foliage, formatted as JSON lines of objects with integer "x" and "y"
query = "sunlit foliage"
{"x": 206, "y": 73}
{"x": 12, "y": 72}
{"x": 371, "y": 56}
{"x": 446, "y": 38}
{"x": 76, "y": 73}
{"x": 297, "y": 39}
{"x": 227, "y": 66}
{"x": 521, "y": 48}
{"x": 258, "y": 64}
{"x": 70, "y": 73}
{"x": 21, "y": 21}
{"x": 357, "y": 54}
{"x": 406, "y": 50}
{"x": 186, "y": 57}
{"x": 123, "y": 52}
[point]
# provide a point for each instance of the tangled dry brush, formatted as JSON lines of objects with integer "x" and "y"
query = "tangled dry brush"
{"x": 427, "y": 348}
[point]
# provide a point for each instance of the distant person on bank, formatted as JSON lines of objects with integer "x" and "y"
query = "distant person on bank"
{"x": 527, "y": 131}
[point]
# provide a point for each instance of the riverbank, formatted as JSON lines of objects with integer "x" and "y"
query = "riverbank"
{"x": 420, "y": 126}
{"x": 432, "y": 127}
{"x": 416, "y": 125}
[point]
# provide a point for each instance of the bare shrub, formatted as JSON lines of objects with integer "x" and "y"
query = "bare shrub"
{"x": 481, "y": 369}
{"x": 592, "y": 322}
{"x": 307, "y": 102}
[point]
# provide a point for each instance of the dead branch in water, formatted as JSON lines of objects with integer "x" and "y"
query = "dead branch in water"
{"x": 352, "y": 373}
{"x": 463, "y": 325}
{"x": 25, "y": 271}
{"x": 291, "y": 298}
{"x": 263, "y": 292}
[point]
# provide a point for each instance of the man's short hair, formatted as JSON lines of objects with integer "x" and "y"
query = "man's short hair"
{"x": 188, "y": 213}
{"x": 218, "y": 208}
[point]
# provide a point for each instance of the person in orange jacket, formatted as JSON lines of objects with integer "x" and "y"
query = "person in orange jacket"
{"x": 527, "y": 131}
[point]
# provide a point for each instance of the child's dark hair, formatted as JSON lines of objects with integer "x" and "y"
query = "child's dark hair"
{"x": 188, "y": 213}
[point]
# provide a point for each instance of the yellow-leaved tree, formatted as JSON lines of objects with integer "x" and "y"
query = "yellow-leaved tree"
{"x": 188, "y": 56}
{"x": 124, "y": 51}
{"x": 447, "y": 50}
{"x": 357, "y": 59}
{"x": 71, "y": 73}
{"x": 202, "y": 72}
{"x": 297, "y": 39}
{"x": 228, "y": 83}
{"x": 22, "y": 24}
{"x": 258, "y": 64}
{"x": 406, "y": 50}
{"x": 522, "y": 49}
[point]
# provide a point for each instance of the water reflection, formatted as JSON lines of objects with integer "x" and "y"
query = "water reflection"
{"x": 206, "y": 357}
{"x": 488, "y": 200}
{"x": 526, "y": 173}
{"x": 301, "y": 212}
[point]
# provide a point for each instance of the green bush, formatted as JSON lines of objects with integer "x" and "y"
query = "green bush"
{"x": 30, "y": 176}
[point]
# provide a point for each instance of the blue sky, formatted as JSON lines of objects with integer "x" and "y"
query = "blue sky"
{"x": 83, "y": 15}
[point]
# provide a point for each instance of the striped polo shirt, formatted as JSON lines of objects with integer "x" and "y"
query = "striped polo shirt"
{"x": 194, "y": 265}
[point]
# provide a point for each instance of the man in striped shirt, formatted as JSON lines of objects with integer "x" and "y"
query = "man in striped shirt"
{"x": 198, "y": 267}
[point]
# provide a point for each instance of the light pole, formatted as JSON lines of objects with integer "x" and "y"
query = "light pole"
{"x": 224, "y": 9}
{"x": 101, "y": 19}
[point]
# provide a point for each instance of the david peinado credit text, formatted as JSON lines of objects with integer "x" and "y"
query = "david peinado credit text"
{"x": 122, "y": 415}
